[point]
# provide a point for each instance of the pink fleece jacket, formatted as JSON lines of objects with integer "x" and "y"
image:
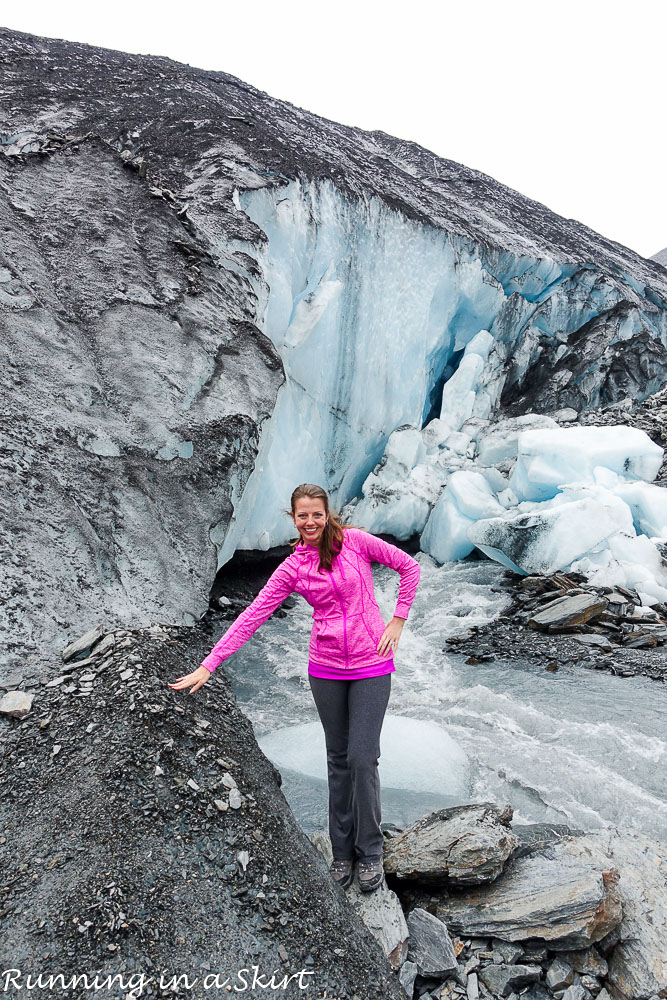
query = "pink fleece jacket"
{"x": 347, "y": 624}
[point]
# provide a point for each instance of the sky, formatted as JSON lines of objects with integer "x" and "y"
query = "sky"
{"x": 561, "y": 102}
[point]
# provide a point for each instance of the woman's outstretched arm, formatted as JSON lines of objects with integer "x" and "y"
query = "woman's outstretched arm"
{"x": 278, "y": 587}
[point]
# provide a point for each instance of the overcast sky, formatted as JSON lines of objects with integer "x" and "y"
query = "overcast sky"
{"x": 563, "y": 102}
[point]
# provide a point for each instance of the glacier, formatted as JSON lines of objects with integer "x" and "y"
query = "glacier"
{"x": 395, "y": 340}
{"x": 383, "y": 323}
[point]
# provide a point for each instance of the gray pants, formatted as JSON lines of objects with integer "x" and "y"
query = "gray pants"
{"x": 352, "y": 712}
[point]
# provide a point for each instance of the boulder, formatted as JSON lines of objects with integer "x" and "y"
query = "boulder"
{"x": 502, "y": 979}
{"x": 462, "y": 845}
{"x": 431, "y": 947}
{"x": 83, "y": 644}
{"x": 557, "y": 895}
{"x": 565, "y": 612}
{"x": 16, "y": 703}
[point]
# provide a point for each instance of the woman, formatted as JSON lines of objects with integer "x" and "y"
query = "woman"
{"x": 350, "y": 664}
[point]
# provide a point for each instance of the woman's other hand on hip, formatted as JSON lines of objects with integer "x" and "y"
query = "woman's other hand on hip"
{"x": 389, "y": 639}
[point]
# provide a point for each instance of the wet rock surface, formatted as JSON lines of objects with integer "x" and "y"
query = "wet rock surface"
{"x": 561, "y": 619}
{"x": 570, "y": 911}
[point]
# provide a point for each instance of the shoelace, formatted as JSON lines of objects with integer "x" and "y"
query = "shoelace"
{"x": 368, "y": 867}
{"x": 340, "y": 866}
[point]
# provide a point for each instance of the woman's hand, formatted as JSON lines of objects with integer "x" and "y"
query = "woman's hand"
{"x": 197, "y": 678}
{"x": 390, "y": 636}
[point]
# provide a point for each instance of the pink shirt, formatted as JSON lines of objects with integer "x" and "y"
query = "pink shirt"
{"x": 347, "y": 624}
{"x": 336, "y": 673}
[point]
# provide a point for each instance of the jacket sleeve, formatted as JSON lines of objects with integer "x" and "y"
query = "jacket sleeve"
{"x": 380, "y": 551}
{"x": 279, "y": 586}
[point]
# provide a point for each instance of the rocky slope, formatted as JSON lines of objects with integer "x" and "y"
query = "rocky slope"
{"x": 154, "y": 838}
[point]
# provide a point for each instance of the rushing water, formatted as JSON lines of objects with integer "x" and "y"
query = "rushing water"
{"x": 574, "y": 746}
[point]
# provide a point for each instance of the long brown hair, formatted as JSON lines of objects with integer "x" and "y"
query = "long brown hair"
{"x": 331, "y": 541}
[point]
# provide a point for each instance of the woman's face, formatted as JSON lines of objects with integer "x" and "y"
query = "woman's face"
{"x": 309, "y": 517}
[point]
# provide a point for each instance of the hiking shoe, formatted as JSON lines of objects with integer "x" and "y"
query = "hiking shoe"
{"x": 341, "y": 869}
{"x": 370, "y": 874}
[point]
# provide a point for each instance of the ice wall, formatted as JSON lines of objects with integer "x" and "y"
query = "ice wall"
{"x": 381, "y": 322}
{"x": 369, "y": 312}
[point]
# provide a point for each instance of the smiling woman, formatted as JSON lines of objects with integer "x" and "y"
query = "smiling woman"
{"x": 350, "y": 663}
{"x": 310, "y": 518}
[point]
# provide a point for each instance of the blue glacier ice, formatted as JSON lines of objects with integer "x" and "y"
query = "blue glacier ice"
{"x": 406, "y": 349}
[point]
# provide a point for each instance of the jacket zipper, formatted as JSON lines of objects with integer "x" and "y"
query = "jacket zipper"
{"x": 340, "y": 603}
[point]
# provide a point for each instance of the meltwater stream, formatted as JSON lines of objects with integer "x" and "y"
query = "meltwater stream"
{"x": 574, "y": 746}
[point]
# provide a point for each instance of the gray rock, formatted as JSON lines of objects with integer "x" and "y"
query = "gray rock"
{"x": 634, "y": 871}
{"x": 83, "y": 643}
{"x": 607, "y": 944}
{"x": 104, "y": 646}
{"x": 74, "y": 665}
{"x": 592, "y": 639}
{"x": 473, "y": 962}
{"x": 383, "y": 915}
{"x": 380, "y": 910}
{"x": 16, "y": 703}
{"x": 508, "y": 951}
{"x": 566, "y": 415}
{"x": 501, "y": 979}
{"x": 590, "y": 983}
{"x": 574, "y": 992}
{"x": 407, "y": 975}
{"x": 560, "y": 974}
{"x": 10, "y": 680}
{"x": 537, "y": 992}
{"x": 567, "y": 611}
{"x": 535, "y": 952}
{"x": 462, "y": 845}
{"x": 559, "y": 895}
{"x": 641, "y": 639}
{"x": 638, "y": 963}
{"x": 430, "y": 946}
{"x": 587, "y": 960}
